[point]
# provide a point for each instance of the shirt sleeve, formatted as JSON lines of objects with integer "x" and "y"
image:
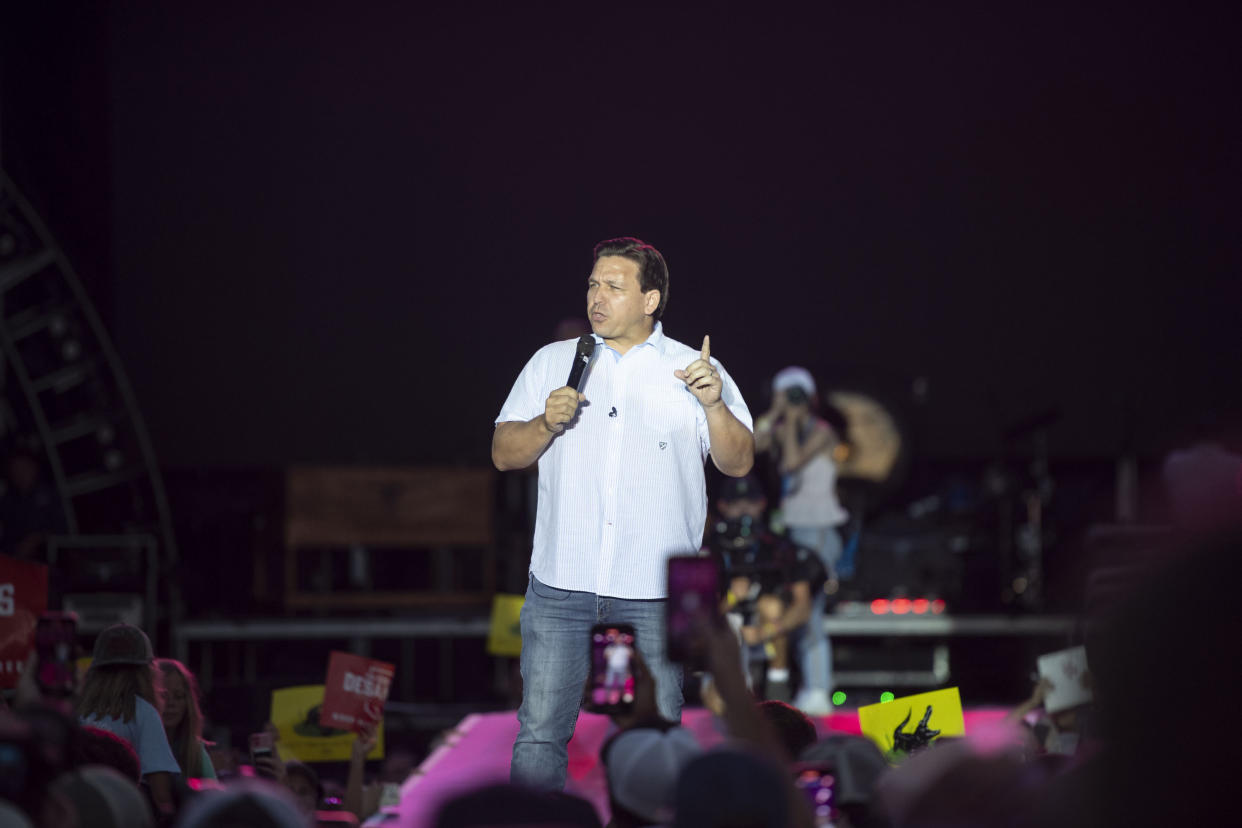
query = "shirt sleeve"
{"x": 527, "y": 397}
{"x": 154, "y": 754}
{"x": 805, "y": 565}
{"x": 209, "y": 770}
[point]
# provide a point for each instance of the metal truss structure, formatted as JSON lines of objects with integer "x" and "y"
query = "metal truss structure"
{"x": 64, "y": 395}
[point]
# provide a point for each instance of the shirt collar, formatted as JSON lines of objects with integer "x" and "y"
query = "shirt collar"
{"x": 655, "y": 340}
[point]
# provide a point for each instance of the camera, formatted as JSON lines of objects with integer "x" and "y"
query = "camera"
{"x": 796, "y": 395}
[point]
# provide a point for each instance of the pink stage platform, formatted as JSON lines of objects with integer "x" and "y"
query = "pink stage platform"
{"x": 478, "y": 751}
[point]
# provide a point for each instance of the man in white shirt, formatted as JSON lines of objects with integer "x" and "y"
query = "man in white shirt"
{"x": 620, "y": 490}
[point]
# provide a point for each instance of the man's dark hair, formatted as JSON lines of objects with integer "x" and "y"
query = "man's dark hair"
{"x": 794, "y": 730}
{"x": 652, "y": 271}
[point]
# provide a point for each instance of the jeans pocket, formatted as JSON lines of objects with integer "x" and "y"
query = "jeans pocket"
{"x": 544, "y": 591}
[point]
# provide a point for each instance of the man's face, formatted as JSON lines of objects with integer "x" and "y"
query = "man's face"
{"x": 616, "y": 306}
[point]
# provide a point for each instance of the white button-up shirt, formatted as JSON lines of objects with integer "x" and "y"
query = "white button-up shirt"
{"x": 621, "y": 489}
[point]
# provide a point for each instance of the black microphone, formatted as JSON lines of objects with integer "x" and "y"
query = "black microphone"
{"x": 586, "y": 347}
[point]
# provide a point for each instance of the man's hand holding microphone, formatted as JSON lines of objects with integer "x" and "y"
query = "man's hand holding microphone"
{"x": 560, "y": 408}
{"x": 562, "y": 404}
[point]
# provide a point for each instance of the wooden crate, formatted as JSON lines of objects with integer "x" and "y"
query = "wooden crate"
{"x": 437, "y": 509}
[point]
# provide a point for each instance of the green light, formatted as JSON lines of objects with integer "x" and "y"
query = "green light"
{"x": 886, "y": 697}
{"x": 838, "y": 698}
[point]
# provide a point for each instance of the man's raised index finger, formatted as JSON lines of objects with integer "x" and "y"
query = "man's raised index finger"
{"x": 705, "y": 353}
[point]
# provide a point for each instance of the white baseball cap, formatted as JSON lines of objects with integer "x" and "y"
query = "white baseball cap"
{"x": 643, "y": 765}
{"x": 793, "y": 377}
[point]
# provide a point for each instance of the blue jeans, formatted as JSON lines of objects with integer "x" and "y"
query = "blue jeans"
{"x": 810, "y": 643}
{"x": 556, "y": 632}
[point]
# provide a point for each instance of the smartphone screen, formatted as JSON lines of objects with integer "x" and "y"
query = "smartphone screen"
{"x": 818, "y": 785}
{"x": 612, "y": 668}
{"x": 55, "y": 638}
{"x": 260, "y": 748}
{"x": 693, "y": 595}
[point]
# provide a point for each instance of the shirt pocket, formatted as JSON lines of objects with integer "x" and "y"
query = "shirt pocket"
{"x": 666, "y": 408}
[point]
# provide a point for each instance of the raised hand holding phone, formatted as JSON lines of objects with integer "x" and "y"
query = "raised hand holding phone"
{"x": 55, "y": 641}
{"x": 263, "y": 757}
{"x": 693, "y": 598}
{"x": 817, "y": 782}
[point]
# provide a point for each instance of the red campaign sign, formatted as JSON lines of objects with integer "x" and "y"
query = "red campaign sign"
{"x": 354, "y": 691}
{"x": 23, "y": 598}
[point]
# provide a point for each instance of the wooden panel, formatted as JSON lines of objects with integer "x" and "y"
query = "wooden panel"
{"x": 416, "y": 507}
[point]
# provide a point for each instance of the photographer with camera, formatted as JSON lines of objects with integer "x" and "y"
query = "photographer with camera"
{"x": 770, "y": 581}
{"x": 803, "y": 446}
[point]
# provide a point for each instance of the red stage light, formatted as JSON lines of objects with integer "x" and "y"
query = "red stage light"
{"x": 901, "y": 605}
{"x": 879, "y": 606}
{"x": 920, "y": 606}
{"x": 937, "y": 606}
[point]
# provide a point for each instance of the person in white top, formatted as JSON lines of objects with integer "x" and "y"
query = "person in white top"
{"x": 617, "y": 661}
{"x": 803, "y": 445}
{"x": 621, "y": 488}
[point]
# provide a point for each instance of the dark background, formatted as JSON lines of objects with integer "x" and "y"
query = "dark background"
{"x": 329, "y": 232}
{"x": 334, "y": 233}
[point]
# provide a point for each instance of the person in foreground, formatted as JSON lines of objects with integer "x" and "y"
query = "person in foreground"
{"x": 657, "y": 774}
{"x": 121, "y": 694}
{"x": 183, "y": 720}
{"x": 621, "y": 488}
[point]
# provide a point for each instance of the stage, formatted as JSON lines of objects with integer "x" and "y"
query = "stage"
{"x": 227, "y": 650}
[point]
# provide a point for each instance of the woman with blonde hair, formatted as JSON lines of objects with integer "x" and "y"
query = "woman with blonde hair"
{"x": 183, "y": 720}
{"x": 121, "y": 694}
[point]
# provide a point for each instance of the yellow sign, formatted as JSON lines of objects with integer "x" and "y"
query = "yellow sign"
{"x": 906, "y": 724}
{"x": 504, "y": 637}
{"x": 295, "y": 712}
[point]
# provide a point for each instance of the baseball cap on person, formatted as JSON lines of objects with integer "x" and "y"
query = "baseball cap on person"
{"x": 122, "y": 644}
{"x": 740, "y": 488}
{"x": 104, "y": 798}
{"x": 793, "y": 377}
{"x": 642, "y": 766}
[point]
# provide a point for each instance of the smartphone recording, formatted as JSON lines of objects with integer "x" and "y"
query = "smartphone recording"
{"x": 612, "y": 669}
{"x": 55, "y": 643}
{"x": 818, "y": 784}
{"x": 693, "y": 604}
{"x": 261, "y": 748}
